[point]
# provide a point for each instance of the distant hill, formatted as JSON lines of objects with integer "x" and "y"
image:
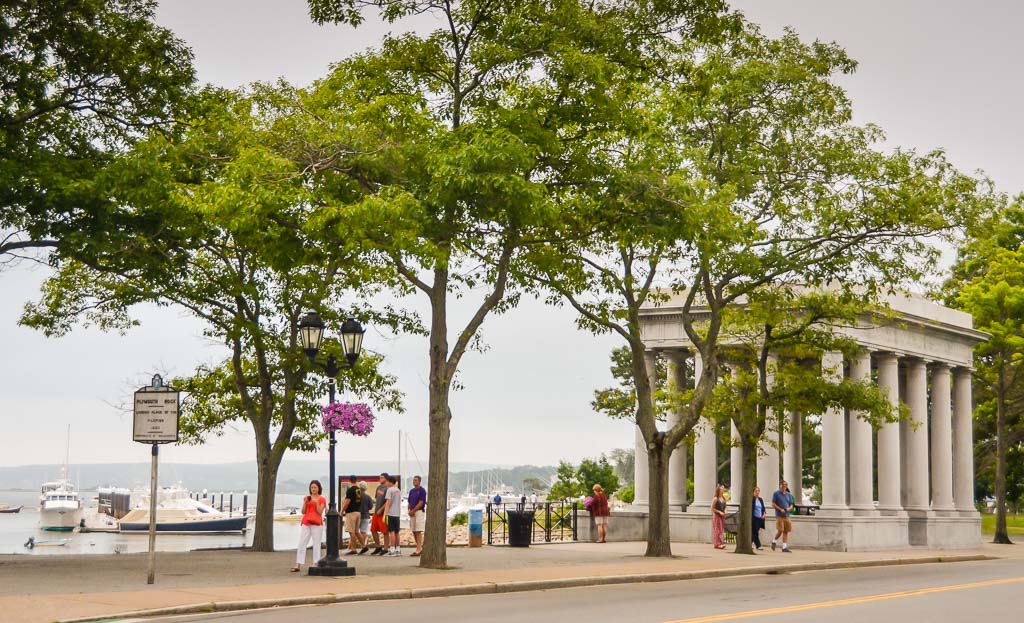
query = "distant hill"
{"x": 292, "y": 477}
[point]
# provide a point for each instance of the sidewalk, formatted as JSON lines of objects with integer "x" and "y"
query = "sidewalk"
{"x": 88, "y": 586}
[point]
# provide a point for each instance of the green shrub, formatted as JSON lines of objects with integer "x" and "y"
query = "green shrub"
{"x": 627, "y": 494}
{"x": 459, "y": 519}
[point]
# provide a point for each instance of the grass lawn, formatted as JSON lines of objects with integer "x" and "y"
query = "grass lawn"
{"x": 1014, "y": 524}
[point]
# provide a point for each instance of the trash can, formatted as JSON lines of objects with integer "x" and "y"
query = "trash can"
{"x": 520, "y": 526}
{"x": 476, "y": 527}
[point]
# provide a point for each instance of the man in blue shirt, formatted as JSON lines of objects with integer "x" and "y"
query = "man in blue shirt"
{"x": 417, "y": 512}
{"x": 782, "y": 502}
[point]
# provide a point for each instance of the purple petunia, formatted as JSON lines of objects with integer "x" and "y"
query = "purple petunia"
{"x": 354, "y": 418}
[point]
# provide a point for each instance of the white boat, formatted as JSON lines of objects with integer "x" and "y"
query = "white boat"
{"x": 60, "y": 508}
{"x": 176, "y": 512}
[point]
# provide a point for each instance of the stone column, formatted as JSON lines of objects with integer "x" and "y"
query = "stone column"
{"x": 768, "y": 455}
{"x": 641, "y": 470}
{"x": 917, "y": 436}
{"x": 833, "y": 442}
{"x": 889, "y": 438}
{"x": 793, "y": 456}
{"x": 941, "y": 440}
{"x": 735, "y": 462}
{"x": 860, "y": 464}
{"x": 641, "y": 478}
{"x": 677, "y": 460}
{"x": 705, "y": 456}
{"x": 963, "y": 442}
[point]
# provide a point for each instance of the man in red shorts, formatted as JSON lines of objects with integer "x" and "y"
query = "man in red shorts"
{"x": 379, "y": 523}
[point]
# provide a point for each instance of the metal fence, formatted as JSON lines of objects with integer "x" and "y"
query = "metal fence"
{"x": 552, "y": 522}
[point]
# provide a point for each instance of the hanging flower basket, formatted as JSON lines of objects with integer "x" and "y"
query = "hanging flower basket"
{"x": 354, "y": 418}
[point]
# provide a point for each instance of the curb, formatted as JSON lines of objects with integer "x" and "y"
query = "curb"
{"x": 487, "y": 588}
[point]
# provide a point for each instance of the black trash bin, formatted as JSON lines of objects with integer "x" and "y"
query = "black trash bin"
{"x": 520, "y": 526}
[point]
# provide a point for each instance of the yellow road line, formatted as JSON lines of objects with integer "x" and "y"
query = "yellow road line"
{"x": 844, "y": 602}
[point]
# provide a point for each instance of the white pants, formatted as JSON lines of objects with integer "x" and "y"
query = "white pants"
{"x": 305, "y": 534}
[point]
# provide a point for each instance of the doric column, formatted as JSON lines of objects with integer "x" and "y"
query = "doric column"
{"x": 768, "y": 455}
{"x": 889, "y": 437}
{"x": 942, "y": 439}
{"x": 735, "y": 463}
{"x": 793, "y": 456}
{"x": 963, "y": 442}
{"x": 833, "y": 442}
{"x": 917, "y": 436}
{"x": 705, "y": 455}
{"x": 641, "y": 470}
{"x": 677, "y": 460}
{"x": 860, "y": 464}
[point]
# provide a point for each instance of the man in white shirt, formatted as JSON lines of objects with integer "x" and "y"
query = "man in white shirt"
{"x": 393, "y": 512}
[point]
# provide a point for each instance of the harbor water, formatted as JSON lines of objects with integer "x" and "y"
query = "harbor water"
{"x": 16, "y": 528}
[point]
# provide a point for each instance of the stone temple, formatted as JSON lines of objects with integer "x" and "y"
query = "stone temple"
{"x": 902, "y": 485}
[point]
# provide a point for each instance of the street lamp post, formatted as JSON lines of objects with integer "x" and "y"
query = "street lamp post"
{"x": 311, "y": 333}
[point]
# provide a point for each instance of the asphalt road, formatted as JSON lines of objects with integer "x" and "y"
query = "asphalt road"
{"x": 936, "y": 593}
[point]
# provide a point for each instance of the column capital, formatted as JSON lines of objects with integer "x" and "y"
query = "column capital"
{"x": 677, "y": 355}
{"x": 938, "y": 365}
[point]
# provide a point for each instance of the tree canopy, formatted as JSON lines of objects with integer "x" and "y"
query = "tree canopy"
{"x": 80, "y": 80}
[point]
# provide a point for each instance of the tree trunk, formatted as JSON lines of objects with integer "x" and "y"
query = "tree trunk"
{"x": 659, "y": 541}
{"x": 435, "y": 535}
{"x": 1002, "y": 535}
{"x": 744, "y": 529}
{"x": 263, "y": 529}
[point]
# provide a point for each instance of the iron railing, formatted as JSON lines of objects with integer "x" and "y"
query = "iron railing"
{"x": 552, "y": 522}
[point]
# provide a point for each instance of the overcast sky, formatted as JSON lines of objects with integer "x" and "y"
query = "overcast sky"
{"x": 936, "y": 73}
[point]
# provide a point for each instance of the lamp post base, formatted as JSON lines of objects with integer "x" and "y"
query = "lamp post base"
{"x": 335, "y": 568}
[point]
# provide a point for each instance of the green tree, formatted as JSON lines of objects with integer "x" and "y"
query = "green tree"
{"x": 567, "y": 484}
{"x": 597, "y": 472}
{"x": 80, "y": 80}
{"x": 737, "y": 171}
{"x": 220, "y": 194}
{"x": 462, "y": 135}
{"x": 995, "y": 298}
{"x": 577, "y": 482}
{"x": 771, "y": 336}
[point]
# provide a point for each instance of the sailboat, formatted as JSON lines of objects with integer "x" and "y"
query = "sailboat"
{"x": 60, "y": 507}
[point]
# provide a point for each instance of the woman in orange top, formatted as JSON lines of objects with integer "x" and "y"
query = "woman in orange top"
{"x": 312, "y": 524}
{"x": 600, "y": 511}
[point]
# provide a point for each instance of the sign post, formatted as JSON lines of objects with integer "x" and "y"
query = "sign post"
{"x": 155, "y": 422}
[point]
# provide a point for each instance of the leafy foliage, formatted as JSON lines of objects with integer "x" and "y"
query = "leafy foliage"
{"x": 576, "y": 482}
{"x": 80, "y": 80}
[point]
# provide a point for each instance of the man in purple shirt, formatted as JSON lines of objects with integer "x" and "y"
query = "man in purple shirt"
{"x": 417, "y": 511}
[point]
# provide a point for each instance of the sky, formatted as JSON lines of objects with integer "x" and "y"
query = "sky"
{"x": 933, "y": 74}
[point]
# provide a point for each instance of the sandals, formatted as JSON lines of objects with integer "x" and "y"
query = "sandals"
{"x": 296, "y": 569}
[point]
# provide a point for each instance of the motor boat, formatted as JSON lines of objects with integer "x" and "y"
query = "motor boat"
{"x": 6, "y": 509}
{"x": 60, "y": 508}
{"x": 176, "y": 512}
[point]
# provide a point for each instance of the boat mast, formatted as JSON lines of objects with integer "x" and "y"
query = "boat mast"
{"x": 67, "y": 454}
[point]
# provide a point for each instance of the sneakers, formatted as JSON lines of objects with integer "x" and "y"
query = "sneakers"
{"x": 363, "y": 551}
{"x": 380, "y": 551}
{"x": 395, "y": 553}
{"x": 773, "y": 546}
{"x": 786, "y": 550}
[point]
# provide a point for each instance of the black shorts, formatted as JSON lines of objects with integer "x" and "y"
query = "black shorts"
{"x": 394, "y": 523}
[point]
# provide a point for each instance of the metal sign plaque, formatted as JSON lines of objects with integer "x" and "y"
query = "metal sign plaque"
{"x": 156, "y": 413}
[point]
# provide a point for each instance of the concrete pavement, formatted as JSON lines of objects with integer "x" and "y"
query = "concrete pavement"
{"x": 939, "y": 593}
{"x": 97, "y": 586}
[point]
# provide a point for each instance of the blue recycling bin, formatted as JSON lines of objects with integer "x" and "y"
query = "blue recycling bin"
{"x": 476, "y": 527}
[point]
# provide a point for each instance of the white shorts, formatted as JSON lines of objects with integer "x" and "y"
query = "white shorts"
{"x": 601, "y": 521}
{"x": 364, "y": 525}
{"x": 416, "y": 521}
